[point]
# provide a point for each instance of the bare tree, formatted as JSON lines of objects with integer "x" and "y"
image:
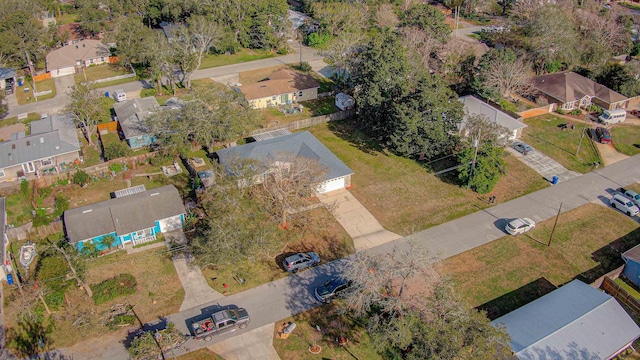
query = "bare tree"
{"x": 420, "y": 43}
{"x": 193, "y": 42}
{"x": 289, "y": 184}
{"x": 339, "y": 17}
{"x": 85, "y": 107}
{"x": 507, "y": 75}
{"x": 386, "y": 16}
{"x": 478, "y": 126}
{"x": 380, "y": 280}
{"x": 603, "y": 35}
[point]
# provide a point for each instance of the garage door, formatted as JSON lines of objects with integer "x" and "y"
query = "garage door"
{"x": 331, "y": 185}
{"x": 171, "y": 223}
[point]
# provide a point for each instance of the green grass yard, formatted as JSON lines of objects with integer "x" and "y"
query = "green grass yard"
{"x": 545, "y": 135}
{"x": 626, "y": 139}
{"x": 243, "y": 55}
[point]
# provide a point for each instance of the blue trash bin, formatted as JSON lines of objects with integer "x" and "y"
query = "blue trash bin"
{"x": 554, "y": 180}
{"x": 106, "y": 94}
{"x": 19, "y": 82}
{"x": 10, "y": 279}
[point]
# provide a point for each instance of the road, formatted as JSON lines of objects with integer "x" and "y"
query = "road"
{"x": 56, "y": 104}
{"x": 272, "y": 302}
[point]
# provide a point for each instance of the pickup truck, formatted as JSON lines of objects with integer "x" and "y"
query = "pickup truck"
{"x": 631, "y": 195}
{"x": 220, "y": 322}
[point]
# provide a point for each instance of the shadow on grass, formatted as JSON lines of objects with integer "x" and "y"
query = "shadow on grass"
{"x": 542, "y": 140}
{"x": 609, "y": 256}
{"x": 348, "y": 130}
{"x": 517, "y": 298}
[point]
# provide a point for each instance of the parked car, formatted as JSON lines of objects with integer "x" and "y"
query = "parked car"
{"x": 523, "y": 148}
{"x": 519, "y": 226}
{"x": 220, "y": 322}
{"x": 9, "y": 89}
{"x": 604, "y": 136}
{"x": 623, "y": 204}
{"x": 325, "y": 292}
{"x": 300, "y": 261}
{"x": 635, "y": 113}
{"x": 631, "y": 195}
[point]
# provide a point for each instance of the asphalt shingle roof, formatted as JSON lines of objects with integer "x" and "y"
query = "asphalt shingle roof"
{"x": 302, "y": 144}
{"x": 67, "y": 56}
{"x": 131, "y": 114}
{"x": 575, "y": 321}
{"x": 279, "y": 83}
{"x": 123, "y": 215}
{"x": 473, "y": 105}
{"x": 569, "y": 86}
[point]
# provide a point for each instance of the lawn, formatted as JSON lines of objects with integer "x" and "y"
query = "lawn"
{"x": 159, "y": 292}
{"x": 545, "y": 134}
{"x": 312, "y": 108}
{"x": 19, "y": 208}
{"x": 405, "y": 197}
{"x": 103, "y": 71}
{"x": 14, "y": 120}
{"x": 202, "y": 354}
{"x": 626, "y": 139}
{"x": 66, "y": 19}
{"x": 330, "y": 242}
{"x": 27, "y": 97}
{"x": 243, "y": 55}
{"x": 90, "y": 154}
{"x": 333, "y": 325}
{"x": 514, "y": 270}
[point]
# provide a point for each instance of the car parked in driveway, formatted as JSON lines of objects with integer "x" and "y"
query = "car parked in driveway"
{"x": 623, "y": 204}
{"x": 325, "y": 292}
{"x": 635, "y": 113}
{"x": 300, "y": 261}
{"x": 522, "y": 147}
{"x": 603, "y": 134}
{"x": 519, "y": 226}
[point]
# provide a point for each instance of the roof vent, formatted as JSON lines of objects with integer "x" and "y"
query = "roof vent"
{"x": 87, "y": 211}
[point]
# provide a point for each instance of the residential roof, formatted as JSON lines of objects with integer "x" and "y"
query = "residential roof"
{"x": 49, "y": 137}
{"x": 575, "y": 321}
{"x": 67, "y": 56}
{"x": 169, "y": 30}
{"x": 297, "y": 18}
{"x": 72, "y": 29}
{"x": 7, "y": 73}
{"x": 280, "y": 82}
{"x": 131, "y": 114}
{"x": 302, "y": 144}
{"x": 123, "y": 215}
{"x": 473, "y": 105}
{"x": 271, "y": 134}
{"x": 633, "y": 253}
{"x": 569, "y": 86}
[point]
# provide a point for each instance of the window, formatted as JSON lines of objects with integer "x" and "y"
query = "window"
{"x": 28, "y": 167}
{"x": 91, "y": 61}
{"x": 102, "y": 59}
{"x": 46, "y": 162}
{"x": 273, "y": 98}
{"x": 300, "y": 93}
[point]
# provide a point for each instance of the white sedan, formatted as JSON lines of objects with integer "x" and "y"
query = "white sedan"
{"x": 519, "y": 226}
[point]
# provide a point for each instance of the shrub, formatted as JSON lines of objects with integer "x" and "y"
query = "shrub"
{"x": 81, "y": 178}
{"x": 507, "y": 105}
{"x": 116, "y": 150}
{"x": 575, "y": 112}
{"x": 41, "y": 217}
{"x": 318, "y": 39}
{"x": 303, "y": 66}
{"x": 62, "y": 205}
{"x": 121, "y": 285}
{"x": 116, "y": 167}
{"x": 52, "y": 271}
{"x": 148, "y": 92}
{"x": 160, "y": 160}
{"x": 24, "y": 187}
{"x": 560, "y": 111}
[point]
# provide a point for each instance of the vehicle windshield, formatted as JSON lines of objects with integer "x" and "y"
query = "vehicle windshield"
{"x": 323, "y": 290}
{"x": 637, "y": 197}
{"x": 512, "y": 225}
{"x": 629, "y": 204}
{"x": 605, "y": 116}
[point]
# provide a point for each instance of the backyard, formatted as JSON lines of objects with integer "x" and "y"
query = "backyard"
{"x": 514, "y": 270}
{"x": 103, "y": 71}
{"x": 274, "y": 116}
{"x": 626, "y": 139}
{"x": 547, "y": 135}
{"x": 405, "y": 197}
{"x": 24, "y": 97}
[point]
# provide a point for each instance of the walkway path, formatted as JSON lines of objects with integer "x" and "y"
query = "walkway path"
{"x": 357, "y": 221}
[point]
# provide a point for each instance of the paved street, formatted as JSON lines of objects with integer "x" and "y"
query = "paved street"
{"x": 58, "y": 103}
{"x": 277, "y": 300}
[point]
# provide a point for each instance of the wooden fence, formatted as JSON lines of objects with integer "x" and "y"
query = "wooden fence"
{"x": 108, "y": 127}
{"x": 305, "y": 123}
{"x": 621, "y": 295}
{"x": 42, "y": 77}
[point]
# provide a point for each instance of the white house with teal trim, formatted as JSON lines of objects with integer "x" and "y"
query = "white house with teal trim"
{"x": 132, "y": 220}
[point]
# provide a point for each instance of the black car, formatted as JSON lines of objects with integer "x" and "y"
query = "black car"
{"x": 9, "y": 89}
{"x": 325, "y": 292}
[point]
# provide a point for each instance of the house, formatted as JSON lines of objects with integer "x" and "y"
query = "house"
{"x": 131, "y": 115}
{"x": 477, "y": 106}
{"x": 283, "y": 87}
{"x": 65, "y": 60}
{"x": 7, "y": 77}
{"x": 70, "y": 33}
{"x": 170, "y": 30}
{"x": 52, "y": 146}
{"x": 131, "y": 217}
{"x": 576, "y": 321}
{"x": 631, "y": 259}
{"x": 345, "y": 102}
{"x": 571, "y": 91}
{"x": 270, "y": 151}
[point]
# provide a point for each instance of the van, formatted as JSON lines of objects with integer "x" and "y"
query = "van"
{"x": 120, "y": 95}
{"x": 613, "y": 116}
{"x": 623, "y": 204}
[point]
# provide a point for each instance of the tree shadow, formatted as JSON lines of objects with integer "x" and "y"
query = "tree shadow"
{"x": 609, "y": 256}
{"x": 517, "y": 298}
{"x": 348, "y": 130}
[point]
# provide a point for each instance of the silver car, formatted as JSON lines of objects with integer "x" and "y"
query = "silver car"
{"x": 519, "y": 226}
{"x": 301, "y": 261}
{"x": 522, "y": 147}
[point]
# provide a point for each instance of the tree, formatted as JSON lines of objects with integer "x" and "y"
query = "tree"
{"x": 32, "y": 334}
{"x": 85, "y": 108}
{"x": 427, "y": 18}
{"x": 202, "y": 34}
{"x": 133, "y": 40}
{"x": 456, "y": 63}
{"x": 488, "y": 169}
{"x": 3, "y": 106}
{"x": 93, "y": 17}
{"x": 485, "y": 131}
{"x": 108, "y": 242}
{"x": 341, "y": 17}
{"x": 501, "y": 73}
{"x": 386, "y": 16}
{"x": 620, "y": 78}
{"x": 602, "y": 36}
{"x": 419, "y": 44}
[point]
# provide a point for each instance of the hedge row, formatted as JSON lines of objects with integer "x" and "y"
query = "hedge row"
{"x": 121, "y": 285}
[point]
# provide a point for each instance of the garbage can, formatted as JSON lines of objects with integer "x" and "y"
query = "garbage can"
{"x": 554, "y": 180}
{"x": 19, "y": 82}
{"x": 106, "y": 94}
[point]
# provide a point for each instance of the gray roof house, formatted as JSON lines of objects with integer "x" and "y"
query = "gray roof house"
{"x": 576, "y": 321}
{"x": 474, "y": 105}
{"x": 169, "y": 30}
{"x": 7, "y": 75}
{"x": 131, "y": 115}
{"x": 302, "y": 144}
{"x": 128, "y": 218}
{"x": 53, "y": 143}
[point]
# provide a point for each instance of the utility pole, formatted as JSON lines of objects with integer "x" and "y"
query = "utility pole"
{"x": 31, "y": 70}
{"x": 476, "y": 142}
{"x": 586, "y": 117}
{"x": 301, "y": 38}
{"x": 554, "y": 225}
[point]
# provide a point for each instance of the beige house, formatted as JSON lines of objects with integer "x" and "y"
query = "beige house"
{"x": 65, "y": 60}
{"x": 571, "y": 91}
{"x": 52, "y": 146}
{"x": 283, "y": 87}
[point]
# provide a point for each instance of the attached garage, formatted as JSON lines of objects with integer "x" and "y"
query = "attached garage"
{"x": 170, "y": 224}
{"x": 331, "y": 185}
{"x": 69, "y": 70}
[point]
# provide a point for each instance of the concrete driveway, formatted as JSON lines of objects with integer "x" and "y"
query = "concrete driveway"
{"x": 609, "y": 154}
{"x": 544, "y": 165}
{"x": 357, "y": 221}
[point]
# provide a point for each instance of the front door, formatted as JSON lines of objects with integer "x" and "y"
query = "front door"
{"x": 284, "y": 99}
